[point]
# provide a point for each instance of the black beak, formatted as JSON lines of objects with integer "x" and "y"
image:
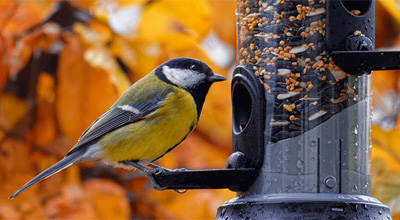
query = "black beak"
{"x": 216, "y": 78}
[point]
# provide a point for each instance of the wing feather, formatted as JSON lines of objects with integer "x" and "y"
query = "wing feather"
{"x": 114, "y": 118}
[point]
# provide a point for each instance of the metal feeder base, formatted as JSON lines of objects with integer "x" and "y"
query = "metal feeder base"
{"x": 303, "y": 206}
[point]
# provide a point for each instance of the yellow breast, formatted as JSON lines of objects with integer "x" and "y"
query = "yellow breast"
{"x": 149, "y": 139}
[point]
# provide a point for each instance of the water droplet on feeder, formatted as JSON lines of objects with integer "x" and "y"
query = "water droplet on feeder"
{"x": 300, "y": 164}
{"x": 285, "y": 170}
{"x": 355, "y": 131}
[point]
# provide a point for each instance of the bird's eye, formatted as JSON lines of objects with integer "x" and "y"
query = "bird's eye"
{"x": 193, "y": 67}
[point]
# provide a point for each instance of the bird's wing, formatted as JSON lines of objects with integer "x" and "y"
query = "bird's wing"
{"x": 116, "y": 117}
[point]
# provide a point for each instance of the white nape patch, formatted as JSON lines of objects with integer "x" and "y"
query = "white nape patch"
{"x": 183, "y": 77}
{"x": 129, "y": 109}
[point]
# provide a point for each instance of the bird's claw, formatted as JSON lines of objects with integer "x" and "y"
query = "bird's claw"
{"x": 156, "y": 171}
{"x": 155, "y": 184}
{"x": 179, "y": 170}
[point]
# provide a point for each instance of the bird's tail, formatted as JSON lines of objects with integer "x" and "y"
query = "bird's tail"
{"x": 60, "y": 165}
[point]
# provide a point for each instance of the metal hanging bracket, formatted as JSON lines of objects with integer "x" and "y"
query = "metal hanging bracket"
{"x": 350, "y": 31}
{"x": 235, "y": 177}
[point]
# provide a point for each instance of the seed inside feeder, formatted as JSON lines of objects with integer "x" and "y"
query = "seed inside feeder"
{"x": 284, "y": 42}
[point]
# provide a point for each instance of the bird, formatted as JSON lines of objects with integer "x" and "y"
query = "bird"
{"x": 150, "y": 119}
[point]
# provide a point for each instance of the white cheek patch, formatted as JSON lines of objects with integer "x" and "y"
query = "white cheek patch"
{"x": 129, "y": 109}
{"x": 183, "y": 77}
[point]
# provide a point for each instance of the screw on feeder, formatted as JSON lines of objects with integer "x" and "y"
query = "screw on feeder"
{"x": 330, "y": 182}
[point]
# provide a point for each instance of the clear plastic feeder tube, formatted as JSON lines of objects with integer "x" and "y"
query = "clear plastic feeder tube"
{"x": 317, "y": 138}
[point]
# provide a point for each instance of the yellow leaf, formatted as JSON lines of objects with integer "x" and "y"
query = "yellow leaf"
{"x": 386, "y": 146}
{"x": 141, "y": 56}
{"x": 393, "y": 6}
{"x": 173, "y": 21}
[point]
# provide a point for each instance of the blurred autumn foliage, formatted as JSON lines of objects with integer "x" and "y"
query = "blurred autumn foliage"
{"x": 62, "y": 64}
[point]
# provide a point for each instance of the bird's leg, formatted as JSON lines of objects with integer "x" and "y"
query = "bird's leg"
{"x": 147, "y": 171}
{"x": 156, "y": 170}
{"x": 156, "y": 166}
{"x": 166, "y": 169}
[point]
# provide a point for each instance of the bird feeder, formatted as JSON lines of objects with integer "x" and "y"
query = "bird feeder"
{"x": 312, "y": 60}
{"x": 301, "y": 113}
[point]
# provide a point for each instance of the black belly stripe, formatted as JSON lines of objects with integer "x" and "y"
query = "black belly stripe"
{"x": 167, "y": 151}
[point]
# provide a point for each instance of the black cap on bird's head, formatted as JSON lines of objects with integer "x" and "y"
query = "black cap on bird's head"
{"x": 186, "y": 73}
{"x": 190, "y": 74}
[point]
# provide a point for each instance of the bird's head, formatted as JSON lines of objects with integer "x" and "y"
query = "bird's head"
{"x": 187, "y": 73}
{"x": 191, "y": 75}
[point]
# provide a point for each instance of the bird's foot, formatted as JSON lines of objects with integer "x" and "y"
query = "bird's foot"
{"x": 155, "y": 171}
{"x": 155, "y": 184}
{"x": 155, "y": 166}
{"x": 145, "y": 170}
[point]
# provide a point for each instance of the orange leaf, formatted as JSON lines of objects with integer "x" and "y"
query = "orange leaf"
{"x": 16, "y": 166}
{"x": 8, "y": 211}
{"x": 384, "y": 82}
{"x": 84, "y": 92}
{"x": 26, "y": 15}
{"x": 71, "y": 204}
{"x": 176, "y": 206}
{"x": 31, "y": 208}
{"x": 12, "y": 109}
{"x": 108, "y": 198}
{"x": 98, "y": 55}
{"x": 224, "y": 20}
{"x": 4, "y": 50}
{"x": 45, "y": 128}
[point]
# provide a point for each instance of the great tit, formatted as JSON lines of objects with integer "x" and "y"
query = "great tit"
{"x": 151, "y": 118}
